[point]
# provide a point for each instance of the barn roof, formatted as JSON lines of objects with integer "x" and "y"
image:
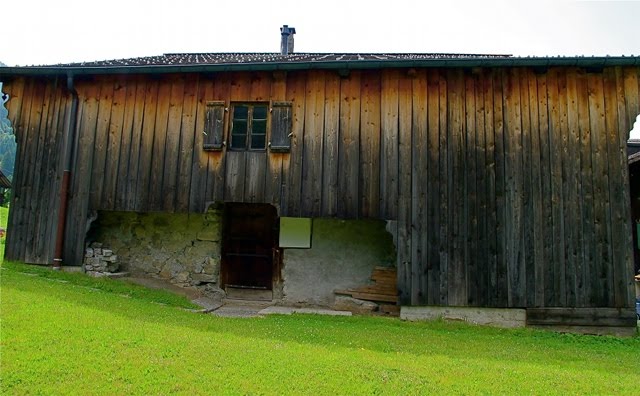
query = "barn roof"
{"x": 4, "y": 182}
{"x": 215, "y": 62}
{"x": 271, "y": 58}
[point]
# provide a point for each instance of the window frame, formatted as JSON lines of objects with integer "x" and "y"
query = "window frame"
{"x": 249, "y": 128}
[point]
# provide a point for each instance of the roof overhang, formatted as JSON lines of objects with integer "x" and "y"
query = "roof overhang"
{"x": 536, "y": 62}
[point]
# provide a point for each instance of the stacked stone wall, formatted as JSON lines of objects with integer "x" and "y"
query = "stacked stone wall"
{"x": 183, "y": 249}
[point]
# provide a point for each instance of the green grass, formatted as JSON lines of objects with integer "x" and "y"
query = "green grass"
{"x": 67, "y": 334}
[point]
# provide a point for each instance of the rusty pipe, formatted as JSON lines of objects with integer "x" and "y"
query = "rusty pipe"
{"x": 68, "y": 143}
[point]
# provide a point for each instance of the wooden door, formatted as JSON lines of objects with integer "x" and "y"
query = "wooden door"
{"x": 248, "y": 242}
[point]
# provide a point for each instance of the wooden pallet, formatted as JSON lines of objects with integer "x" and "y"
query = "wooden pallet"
{"x": 384, "y": 288}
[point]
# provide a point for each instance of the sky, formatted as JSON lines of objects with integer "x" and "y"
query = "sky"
{"x": 39, "y": 32}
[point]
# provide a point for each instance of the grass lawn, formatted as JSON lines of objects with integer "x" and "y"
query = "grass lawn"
{"x": 69, "y": 334}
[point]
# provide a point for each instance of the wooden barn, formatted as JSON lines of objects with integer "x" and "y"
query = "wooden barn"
{"x": 504, "y": 181}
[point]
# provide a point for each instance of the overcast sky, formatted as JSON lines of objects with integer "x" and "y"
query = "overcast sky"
{"x": 37, "y": 32}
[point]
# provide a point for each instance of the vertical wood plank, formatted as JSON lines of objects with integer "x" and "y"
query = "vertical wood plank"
{"x": 535, "y": 275}
{"x": 514, "y": 190}
{"x": 500, "y": 297}
{"x": 330, "y": 163}
{"x": 482, "y": 207}
{"x": 631, "y": 81}
{"x": 200, "y": 158}
{"x": 546, "y": 148}
{"x": 114, "y": 145}
{"x": 186, "y": 147}
{"x": 157, "y": 169}
{"x": 490, "y": 191}
{"x": 471, "y": 257}
{"x": 555, "y": 148}
{"x": 35, "y": 147}
{"x": 625, "y": 124}
{"x": 15, "y": 221}
{"x": 457, "y": 270}
{"x": 348, "y": 155}
{"x": 132, "y": 200}
{"x": 54, "y": 172}
{"x": 405, "y": 106}
{"x": 101, "y": 141}
{"x": 528, "y": 215}
{"x": 389, "y": 144}
{"x": 130, "y": 143}
{"x": 45, "y": 167}
{"x": 601, "y": 274}
{"x": 369, "y": 177}
{"x": 568, "y": 284}
{"x": 88, "y": 112}
{"x": 34, "y": 165}
{"x": 292, "y": 170}
{"x": 618, "y": 205}
{"x": 434, "y": 184}
{"x": 571, "y": 175}
{"x": 587, "y": 230}
{"x": 147, "y": 139}
{"x": 419, "y": 264}
{"x": 312, "y": 144}
{"x": 274, "y": 176}
{"x": 255, "y": 174}
{"x": 172, "y": 144}
{"x": 445, "y": 193}
{"x": 294, "y": 91}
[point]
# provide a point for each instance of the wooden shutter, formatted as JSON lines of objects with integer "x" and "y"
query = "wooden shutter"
{"x": 214, "y": 126}
{"x": 281, "y": 115}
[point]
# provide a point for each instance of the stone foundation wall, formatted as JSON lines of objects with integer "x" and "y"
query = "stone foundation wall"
{"x": 185, "y": 250}
{"x": 99, "y": 260}
{"x": 343, "y": 254}
{"x": 181, "y": 248}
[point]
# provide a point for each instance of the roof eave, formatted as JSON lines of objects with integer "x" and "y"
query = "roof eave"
{"x": 595, "y": 62}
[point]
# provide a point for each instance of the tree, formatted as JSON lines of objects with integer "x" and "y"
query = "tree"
{"x": 7, "y": 142}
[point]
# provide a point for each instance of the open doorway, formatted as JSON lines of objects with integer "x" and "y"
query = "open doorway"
{"x": 249, "y": 250}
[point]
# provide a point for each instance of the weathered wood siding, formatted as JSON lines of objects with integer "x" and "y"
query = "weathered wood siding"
{"x": 38, "y": 110}
{"x": 509, "y": 186}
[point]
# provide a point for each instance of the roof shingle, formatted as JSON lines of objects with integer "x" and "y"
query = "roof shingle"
{"x": 261, "y": 57}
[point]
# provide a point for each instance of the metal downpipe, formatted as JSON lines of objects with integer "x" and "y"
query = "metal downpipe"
{"x": 68, "y": 144}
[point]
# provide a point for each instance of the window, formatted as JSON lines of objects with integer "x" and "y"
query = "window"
{"x": 249, "y": 127}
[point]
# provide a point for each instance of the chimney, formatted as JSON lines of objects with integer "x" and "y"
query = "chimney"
{"x": 286, "y": 43}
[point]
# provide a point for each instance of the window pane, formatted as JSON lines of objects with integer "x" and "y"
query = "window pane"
{"x": 239, "y": 134}
{"x": 260, "y": 112}
{"x": 257, "y": 142}
{"x": 238, "y": 141}
{"x": 239, "y": 127}
{"x": 240, "y": 112}
{"x": 259, "y": 127}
